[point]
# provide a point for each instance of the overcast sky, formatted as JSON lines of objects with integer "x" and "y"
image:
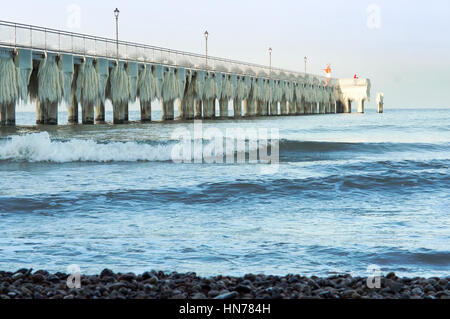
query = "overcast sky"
{"x": 402, "y": 46}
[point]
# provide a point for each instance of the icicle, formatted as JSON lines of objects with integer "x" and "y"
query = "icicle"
{"x": 49, "y": 81}
{"x": 9, "y": 91}
{"x": 87, "y": 92}
{"x": 227, "y": 88}
{"x": 199, "y": 84}
{"x": 67, "y": 72}
{"x": 102, "y": 68}
{"x": 146, "y": 86}
{"x": 24, "y": 67}
{"x": 132, "y": 71}
{"x": 170, "y": 86}
{"x": 119, "y": 91}
{"x": 181, "y": 77}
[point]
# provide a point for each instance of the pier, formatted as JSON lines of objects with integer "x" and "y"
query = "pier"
{"x": 50, "y": 67}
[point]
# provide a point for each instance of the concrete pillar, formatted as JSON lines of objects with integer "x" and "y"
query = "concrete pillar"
{"x": 87, "y": 114}
{"x": 380, "y": 102}
{"x": 188, "y": 108}
{"x": 360, "y": 106}
{"x": 178, "y": 103}
{"x": 100, "y": 113}
{"x": 333, "y": 107}
{"x": 293, "y": 107}
{"x": 125, "y": 112}
{"x": 274, "y": 108}
{"x": 223, "y": 106}
{"x": 347, "y": 107}
{"x": 2, "y": 115}
{"x": 237, "y": 108}
{"x": 246, "y": 106}
{"x": 167, "y": 110}
{"x": 283, "y": 107}
{"x": 380, "y": 106}
{"x": 264, "y": 108}
{"x": 51, "y": 114}
{"x": 198, "y": 109}
{"x": 40, "y": 113}
{"x": 72, "y": 110}
{"x": 208, "y": 108}
{"x": 118, "y": 112}
{"x": 9, "y": 115}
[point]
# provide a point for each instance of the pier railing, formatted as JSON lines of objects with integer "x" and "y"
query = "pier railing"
{"x": 17, "y": 35}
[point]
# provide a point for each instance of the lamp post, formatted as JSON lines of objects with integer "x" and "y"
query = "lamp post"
{"x": 116, "y": 14}
{"x": 206, "y": 38}
{"x": 270, "y": 61}
{"x": 306, "y": 60}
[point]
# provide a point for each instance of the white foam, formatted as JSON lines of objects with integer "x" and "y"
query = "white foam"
{"x": 38, "y": 147}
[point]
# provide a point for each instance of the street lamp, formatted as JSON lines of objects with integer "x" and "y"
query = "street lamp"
{"x": 206, "y": 38}
{"x": 306, "y": 60}
{"x": 116, "y": 14}
{"x": 270, "y": 61}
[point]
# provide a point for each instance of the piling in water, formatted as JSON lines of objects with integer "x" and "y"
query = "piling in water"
{"x": 50, "y": 90}
{"x": 118, "y": 91}
{"x": 9, "y": 91}
{"x": 88, "y": 90}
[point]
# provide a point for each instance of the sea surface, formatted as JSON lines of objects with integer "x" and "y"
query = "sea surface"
{"x": 350, "y": 191}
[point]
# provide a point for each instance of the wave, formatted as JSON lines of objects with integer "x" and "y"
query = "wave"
{"x": 40, "y": 147}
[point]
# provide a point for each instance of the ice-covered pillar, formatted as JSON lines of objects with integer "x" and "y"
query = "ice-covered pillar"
{"x": 245, "y": 108}
{"x": 167, "y": 110}
{"x": 292, "y": 107}
{"x": 49, "y": 90}
{"x": 100, "y": 113}
{"x": 102, "y": 67}
{"x": 146, "y": 111}
{"x": 283, "y": 107}
{"x": 72, "y": 110}
{"x": 188, "y": 105}
{"x": 87, "y": 114}
{"x": 223, "y": 105}
{"x": 347, "y": 107}
{"x": 237, "y": 108}
{"x": 360, "y": 106}
{"x": 8, "y": 114}
{"x": 2, "y": 115}
{"x": 380, "y": 102}
{"x": 197, "y": 109}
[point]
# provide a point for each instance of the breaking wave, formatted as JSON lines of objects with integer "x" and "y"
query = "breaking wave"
{"x": 40, "y": 147}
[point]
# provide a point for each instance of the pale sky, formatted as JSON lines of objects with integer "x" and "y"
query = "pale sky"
{"x": 404, "y": 50}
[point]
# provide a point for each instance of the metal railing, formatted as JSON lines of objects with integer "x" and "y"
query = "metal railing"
{"x": 17, "y": 35}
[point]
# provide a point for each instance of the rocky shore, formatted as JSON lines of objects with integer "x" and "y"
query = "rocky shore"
{"x": 26, "y": 284}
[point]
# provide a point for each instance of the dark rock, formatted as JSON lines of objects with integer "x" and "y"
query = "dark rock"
{"x": 107, "y": 273}
{"x": 128, "y": 277}
{"x": 243, "y": 289}
{"x": 230, "y": 295}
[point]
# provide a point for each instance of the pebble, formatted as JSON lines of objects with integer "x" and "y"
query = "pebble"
{"x": 156, "y": 285}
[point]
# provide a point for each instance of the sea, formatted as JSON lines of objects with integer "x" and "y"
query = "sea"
{"x": 348, "y": 193}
